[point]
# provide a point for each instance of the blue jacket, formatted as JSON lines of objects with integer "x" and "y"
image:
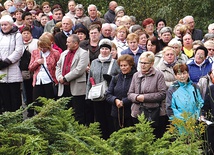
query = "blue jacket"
{"x": 183, "y": 97}
{"x": 136, "y": 57}
{"x": 118, "y": 89}
{"x": 196, "y": 72}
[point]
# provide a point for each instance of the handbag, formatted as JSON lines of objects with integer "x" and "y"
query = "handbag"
{"x": 152, "y": 114}
{"x": 25, "y": 60}
{"x": 98, "y": 91}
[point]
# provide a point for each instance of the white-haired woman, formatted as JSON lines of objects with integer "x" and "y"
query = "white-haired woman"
{"x": 98, "y": 70}
{"x": 177, "y": 46}
{"x": 11, "y": 50}
{"x": 147, "y": 90}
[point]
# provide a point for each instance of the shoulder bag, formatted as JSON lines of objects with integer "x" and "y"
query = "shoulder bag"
{"x": 97, "y": 91}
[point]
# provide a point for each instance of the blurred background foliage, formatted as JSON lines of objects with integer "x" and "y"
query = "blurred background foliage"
{"x": 171, "y": 10}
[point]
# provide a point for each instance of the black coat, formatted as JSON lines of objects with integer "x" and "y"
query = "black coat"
{"x": 60, "y": 40}
{"x": 118, "y": 89}
{"x": 209, "y": 101}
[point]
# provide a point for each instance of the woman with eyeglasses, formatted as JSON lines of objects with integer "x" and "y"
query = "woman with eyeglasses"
{"x": 200, "y": 65}
{"x": 147, "y": 90}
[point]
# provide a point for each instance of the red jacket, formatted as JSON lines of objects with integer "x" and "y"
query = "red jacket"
{"x": 51, "y": 60}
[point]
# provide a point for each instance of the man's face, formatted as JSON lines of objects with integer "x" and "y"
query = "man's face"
{"x": 57, "y": 16}
{"x": 71, "y": 6}
{"x": 92, "y": 11}
{"x": 71, "y": 44}
{"x": 44, "y": 20}
{"x": 28, "y": 20}
{"x": 191, "y": 23}
{"x": 18, "y": 16}
{"x": 67, "y": 25}
{"x": 106, "y": 31}
{"x": 94, "y": 35}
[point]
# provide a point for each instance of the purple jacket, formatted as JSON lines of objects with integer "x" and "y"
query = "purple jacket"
{"x": 153, "y": 88}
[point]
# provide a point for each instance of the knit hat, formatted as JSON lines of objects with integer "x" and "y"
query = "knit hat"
{"x": 119, "y": 8}
{"x": 7, "y": 18}
{"x": 105, "y": 43}
{"x": 79, "y": 6}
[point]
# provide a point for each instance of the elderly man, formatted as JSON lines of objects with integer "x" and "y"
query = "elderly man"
{"x": 71, "y": 8}
{"x": 106, "y": 31}
{"x": 196, "y": 33}
{"x": 57, "y": 17}
{"x": 71, "y": 74}
{"x": 61, "y": 37}
{"x": 211, "y": 28}
{"x": 92, "y": 12}
{"x": 110, "y": 14}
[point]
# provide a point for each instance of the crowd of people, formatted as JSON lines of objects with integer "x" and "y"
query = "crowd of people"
{"x": 150, "y": 68}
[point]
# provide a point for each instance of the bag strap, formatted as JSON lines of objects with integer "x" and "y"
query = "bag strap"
{"x": 47, "y": 72}
{"x": 110, "y": 66}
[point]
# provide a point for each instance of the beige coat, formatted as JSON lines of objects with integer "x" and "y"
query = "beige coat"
{"x": 77, "y": 75}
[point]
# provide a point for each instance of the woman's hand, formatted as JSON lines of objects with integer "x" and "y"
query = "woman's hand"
{"x": 140, "y": 98}
{"x": 119, "y": 103}
{"x": 40, "y": 61}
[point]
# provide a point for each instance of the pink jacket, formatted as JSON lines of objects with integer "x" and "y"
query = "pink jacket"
{"x": 51, "y": 60}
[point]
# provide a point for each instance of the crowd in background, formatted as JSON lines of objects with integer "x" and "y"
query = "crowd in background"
{"x": 147, "y": 66}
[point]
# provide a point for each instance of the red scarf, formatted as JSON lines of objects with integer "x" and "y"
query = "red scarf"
{"x": 68, "y": 61}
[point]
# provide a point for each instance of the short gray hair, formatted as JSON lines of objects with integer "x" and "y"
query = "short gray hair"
{"x": 92, "y": 5}
{"x": 166, "y": 29}
{"x": 185, "y": 18}
{"x": 175, "y": 42}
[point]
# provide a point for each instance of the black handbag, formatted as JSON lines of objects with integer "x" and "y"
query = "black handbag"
{"x": 152, "y": 114}
{"x": 25, "y": 60}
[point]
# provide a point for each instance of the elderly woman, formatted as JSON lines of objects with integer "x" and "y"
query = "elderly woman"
{"x": 183, "y": 95}
{"x": 200, "y": 65}
{"x": 11, "y": 50}
{"x": 120, "y": 39}
{"x": 177, "y": 46}
{"x": 98, "y": 71}
{"x": 147, "y": 90}
{"x": 166, "y": 67}
{"x": 210, "y": 47}
{"x": 117, "y": 93}
{"x": 43, "y": 65}
{"x": 165, "y": 36}
{"x": 148, "y": 25}
{"x": 133, "y": 50}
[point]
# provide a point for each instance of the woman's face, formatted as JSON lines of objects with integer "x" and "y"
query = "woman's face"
{"x": 117, "y": 22}
{"x": 46, "y": 9}
{"x": 18, "y": 16}
{"x": 182, "y": 76}
{"x": 177, "y": 49}
{"x": 114, "y": 53}
{"x": 79, "y": 12}
{"x": 81, "y": 36}
{"x": 210, "y": 49}
{"x": 151, "y": 47}
{"x": 26, "y": 36}
{"x": 178, "y": 32}
{"x": 133, "y": 44}
{"x": 121, "y": 13}
{"x": 145, "y": 65}
{"x": 105, "y": 52}
{"x": 143, "y": 39}
{"x": 149, "y": 28}
{"x": 121, "y": 34}
{"x": 169, "y": 56}
{"x": 199, "y": 56}
{"x": 125, "y": 67}
{"x": 6, "y": 27}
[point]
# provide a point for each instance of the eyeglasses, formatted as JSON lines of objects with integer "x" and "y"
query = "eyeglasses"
{"x": 210, "y": 49}
{"x": 145, "y": 63}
